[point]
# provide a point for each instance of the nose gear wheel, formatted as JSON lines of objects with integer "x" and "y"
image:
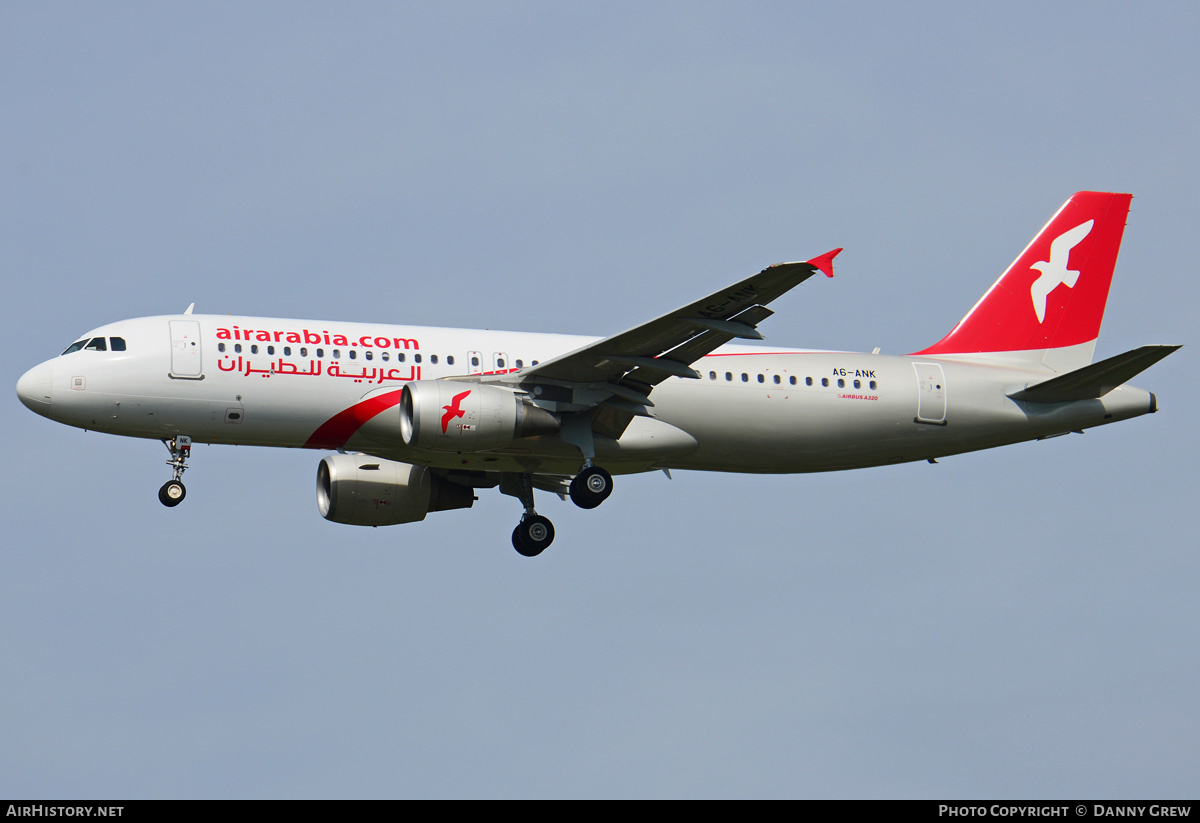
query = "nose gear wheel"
{"x": 172, "y": 493}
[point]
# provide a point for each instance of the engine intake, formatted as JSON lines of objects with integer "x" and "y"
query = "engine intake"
{"x": 360, "y": 490}
{"x": 465, "y": 417}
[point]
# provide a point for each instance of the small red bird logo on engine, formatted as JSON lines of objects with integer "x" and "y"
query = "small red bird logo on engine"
{"x": 453, "y": 410}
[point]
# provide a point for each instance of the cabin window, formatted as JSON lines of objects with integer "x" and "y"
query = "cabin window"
{"x": 117, "y": 343}
{"x": 776, "y": 380}
{"x": 745, "y": 377}
{"x": 220, "y": 347}
{"x": 808, "y": 381}
{"x": 449, "y": 360}
{"x": 872, "y": 385}
{"x": 712, "y": 375}
{"x": 535, "y": 362}
{"x": 353, "y": 354}
{"x": 337, "y": 354}
{"x": 761, "y": 379}
{"x": 825, "y": 382}
{"x": 400, "y": 357}
{"x": 792, "y": 379}
{"x": 433, "y": 359}
{"x": 520, "y": 364}
{"x": 254, "y": 349}
{"x": 384, "y": 356}
{"x": 304, "y": 351}
{"x": 287, "y": 351}
{"x": 237, "y": 347}
{"x": 841, "y": 383}
{"x": 270, "y": 349}
{"x": 416, "y": 358}
{"x": 96, "y": 344}
{"x": 320, "y": 353}
{"x": 499, "y": 362}
{"x": 858, "y": 384}
{"x": 474, "y": 360}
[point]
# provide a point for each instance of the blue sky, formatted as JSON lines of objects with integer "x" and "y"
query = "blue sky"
{"x": 1015, "y": 623}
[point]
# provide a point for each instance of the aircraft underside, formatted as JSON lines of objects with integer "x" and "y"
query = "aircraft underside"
{"x": 743, "y": 427}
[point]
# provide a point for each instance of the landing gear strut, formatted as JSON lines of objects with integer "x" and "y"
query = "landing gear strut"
{"x": 591, "y": 487}
{"x": 534, "y": 533}
{"x": 173, "y": 491}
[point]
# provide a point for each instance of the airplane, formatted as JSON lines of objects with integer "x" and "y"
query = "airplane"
{"x": 421, "y": 418}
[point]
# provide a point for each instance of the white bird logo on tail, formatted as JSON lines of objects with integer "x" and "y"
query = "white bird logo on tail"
{"x": 1054, "y": 271}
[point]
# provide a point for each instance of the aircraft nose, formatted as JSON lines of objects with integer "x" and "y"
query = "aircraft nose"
{"x": 34, "y": 387}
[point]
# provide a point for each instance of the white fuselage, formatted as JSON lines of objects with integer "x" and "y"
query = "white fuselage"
{"x": 333, "y": 385}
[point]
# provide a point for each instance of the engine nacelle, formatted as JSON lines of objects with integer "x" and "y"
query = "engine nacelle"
{"x": 360, "y": 490}
{"x": 448, "y": 415}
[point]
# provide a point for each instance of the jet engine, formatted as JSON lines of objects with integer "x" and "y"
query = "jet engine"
{"x": 448, "y": 415}
{"x": 360, "y": 490}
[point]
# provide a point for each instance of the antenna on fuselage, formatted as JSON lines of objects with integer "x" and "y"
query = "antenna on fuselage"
{"x": 189, "y": 308}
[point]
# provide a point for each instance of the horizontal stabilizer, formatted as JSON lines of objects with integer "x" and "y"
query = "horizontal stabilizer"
{"x": 1095, "y": 380}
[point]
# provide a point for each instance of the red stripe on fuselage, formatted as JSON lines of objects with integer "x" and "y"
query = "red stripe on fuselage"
{"x": 337, "y": 430}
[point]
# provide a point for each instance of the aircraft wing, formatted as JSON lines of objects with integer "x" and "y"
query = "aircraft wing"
{"x": 641, "y": 357}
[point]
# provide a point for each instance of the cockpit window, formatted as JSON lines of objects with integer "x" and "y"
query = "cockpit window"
{"x": 97, "y": 344}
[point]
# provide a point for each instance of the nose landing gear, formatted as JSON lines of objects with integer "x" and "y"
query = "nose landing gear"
{"x": 173, "y": 491}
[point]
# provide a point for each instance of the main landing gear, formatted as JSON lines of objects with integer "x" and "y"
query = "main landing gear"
{"x": 173, "y": 491}
{"x": 534, "y": 533}
{"x": 591, "y": 487}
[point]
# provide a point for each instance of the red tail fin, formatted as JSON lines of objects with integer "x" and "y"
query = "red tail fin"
{"x": 1053, "y": 295}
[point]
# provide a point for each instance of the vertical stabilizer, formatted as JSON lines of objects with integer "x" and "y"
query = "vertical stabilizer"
{"x": 1047, "y": 306}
